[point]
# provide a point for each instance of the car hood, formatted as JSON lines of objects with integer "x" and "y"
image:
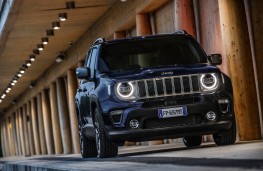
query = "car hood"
{"x": 163, "y": 71}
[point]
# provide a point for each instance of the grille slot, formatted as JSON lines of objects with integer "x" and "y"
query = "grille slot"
{"x": 173, "y": 122}
{"x": 168, "y": 86}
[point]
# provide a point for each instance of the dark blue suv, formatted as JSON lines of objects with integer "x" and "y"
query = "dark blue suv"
{"x": 149, "y": 88}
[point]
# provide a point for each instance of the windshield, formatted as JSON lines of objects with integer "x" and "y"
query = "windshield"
{"x": 150, "y": 52}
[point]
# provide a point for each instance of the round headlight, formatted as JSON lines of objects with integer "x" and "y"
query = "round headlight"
{"x": 125, "y": 89}
{"x": 209, "y": 81}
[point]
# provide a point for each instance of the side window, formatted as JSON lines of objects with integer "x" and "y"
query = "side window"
{"x": 92, "y": 63}
{"x": 87, "y": 62}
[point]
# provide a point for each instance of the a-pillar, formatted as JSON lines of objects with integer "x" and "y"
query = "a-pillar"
{"x": 35, "y": 126}
{"x": 63, "y": 116}
{"x": 184, "y": 16}
{"x": 25, "y": 119}
{"x": 41, "y": 129}
{"x": 72, "y": 87}
{"x": 237, "y": 48}
{"x": 19, "y": 144}
{"x": 55, "y": 119}
{"x": 143, "y": 28}
{"x": 21, "y": 129}
{"x": 47, "y": 120}
{"x": 30, "y": 129}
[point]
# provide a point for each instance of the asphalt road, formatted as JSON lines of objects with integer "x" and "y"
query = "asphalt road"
{"x": 238, "y": 157}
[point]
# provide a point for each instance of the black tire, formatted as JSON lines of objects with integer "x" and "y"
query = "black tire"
{"x": 192, "y": 141}
{"x": 87, "y": 145}
{"x": 226, "y": 138}
{"x": 105, "y": 148}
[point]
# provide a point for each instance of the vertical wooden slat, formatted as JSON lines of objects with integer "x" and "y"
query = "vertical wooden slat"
{"x": 254, "y": 11}
{"x": 30, "y": 129}
{"x": 237, "y": 47}
{"x": 2, "y": 139}
{"x": 72, "y": 87}
{"x": 21, "y": 129}
{"x": 47, "y": 122}
{"x": 14, "y": 133}
{"x": 25, "y": 119}
{"x": 143, "y": 24}
{"x": 7, "y": 147}
{"x": 184, "y": 16}
{"x": 63, "y": 116}
{"x": 35, "y": 126}
{"x": 19, "y": 144}
{"x": 10, "y": 136}
{"x": 41, "y": 128}
{"x": 55, "y": 119}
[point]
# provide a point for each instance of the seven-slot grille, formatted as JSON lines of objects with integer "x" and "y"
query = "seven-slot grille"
{"x": 168, "y": 86}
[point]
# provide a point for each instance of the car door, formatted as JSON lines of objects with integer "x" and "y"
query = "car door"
{"x": 89, "y": 84}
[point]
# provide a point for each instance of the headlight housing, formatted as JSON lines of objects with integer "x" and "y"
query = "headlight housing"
{"x": 126, "y": 91}
{"x": 209, "y": 82}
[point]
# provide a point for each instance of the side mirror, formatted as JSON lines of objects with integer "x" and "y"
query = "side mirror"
{"x": 215, "y": 59}
{"x": 82, "y": 73}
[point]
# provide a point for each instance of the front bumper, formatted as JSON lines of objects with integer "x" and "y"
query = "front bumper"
{"x": 169, "y": 132}
{"x": 152, "y": 127}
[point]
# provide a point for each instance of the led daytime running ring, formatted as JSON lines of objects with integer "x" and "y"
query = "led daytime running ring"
{"x": 128, "y": 95}
{"x": 209, "y": 87}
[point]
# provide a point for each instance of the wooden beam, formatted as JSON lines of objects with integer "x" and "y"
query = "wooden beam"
{"x": 47, "y": 120}
{"x": 30, "y": 129}
{"x": 119, "y": 34}
{"x": 21, "y": 130}
{"x": 35, "y": 126}
{"x": 55, "y": 119}
{"x": 26, "y": 139}
{"x": 143, "y": 24}
{"x": 18, "y": 133}
{"x": 14, "y": 134}
{"x": 41, "y": 128}
{"x": 63, "y": 116}
{"x": 236, "y": 44}
{"x": 184, "y": 16}
{"x": 255, "y": 26}
{"x": 72, "y": 87}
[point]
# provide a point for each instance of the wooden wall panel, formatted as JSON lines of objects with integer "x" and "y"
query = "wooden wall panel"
{"x": 237, "y": 48}
{"x": 210, "y": 32}
{"x": 164, "y": 19}
{"x": 256, "y": 9}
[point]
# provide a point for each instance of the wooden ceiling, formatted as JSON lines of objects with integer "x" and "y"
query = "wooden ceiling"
{"x": 28, "y": 25}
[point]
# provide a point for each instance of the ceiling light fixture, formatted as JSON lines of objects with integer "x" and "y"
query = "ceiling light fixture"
{"x": 13, "y": 84}
{"x": 123, "y": 0}
{"x": 36, "y": 51}
{"x": 56, "y": 25}
{"x": 32, "y": 58}
{"x": 70, "y": 5}
{"x": 9, "y": 88}
{"x": 19, "y": 74}
{"x": 44, "y": 40}
{"x": 22, "y": 70}
{"x": 62, "y": 16}
{"x": 60, "y": 57}
{"x": 0, "y": 100}
{"x": 32, "y": 85}
{"x": 3, "y": 96}
{"x": 50, "y": 33}
{"x": 14, "y": 81}
{"x": 40, "y": 47}
{"x": 28, "y": 63}
{"x": 7, "y": 91}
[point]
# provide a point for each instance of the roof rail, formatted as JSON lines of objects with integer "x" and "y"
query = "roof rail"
{"x": 99, "y": 40}
{"x": 180, "y": 32}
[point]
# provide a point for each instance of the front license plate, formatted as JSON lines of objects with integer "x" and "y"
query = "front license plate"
{"x": 172, "y": 112}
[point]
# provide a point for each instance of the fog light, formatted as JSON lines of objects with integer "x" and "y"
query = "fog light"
{"x": 211, "y": 116}
{"x": 134, "y": 124}
{"x": 116, "y": 116}
{"x": 224, "y": 105}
